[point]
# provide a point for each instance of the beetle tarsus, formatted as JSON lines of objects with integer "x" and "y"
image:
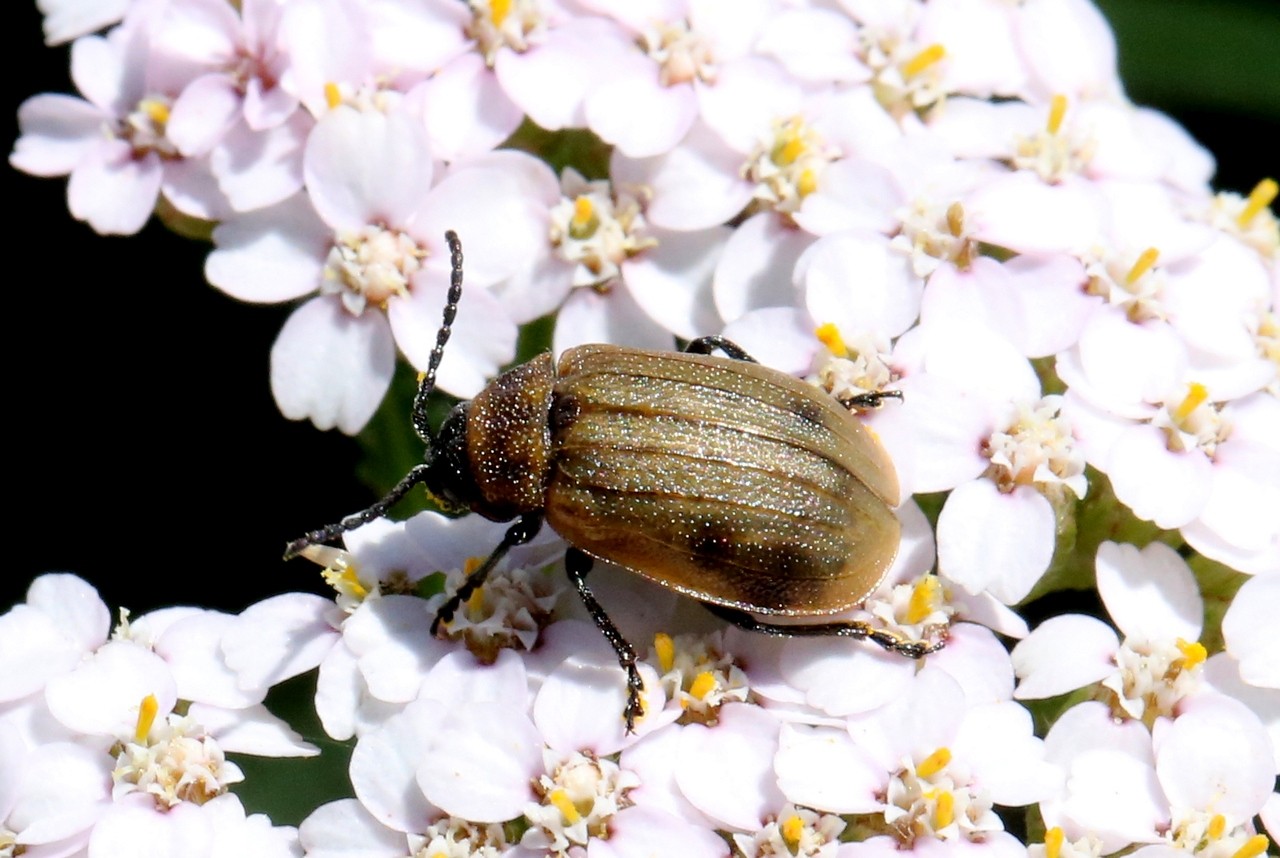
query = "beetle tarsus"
{"x": 525, "y": 529}
{"x": 891, "y": 641}
{"x": 706, "y": 345}
{"x": 418, "y": 474}
{"x": 577, "y": 564}
{"x": 871, "y": 400}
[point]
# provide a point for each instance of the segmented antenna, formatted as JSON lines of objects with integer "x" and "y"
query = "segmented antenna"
{"x": 428, "y": 382}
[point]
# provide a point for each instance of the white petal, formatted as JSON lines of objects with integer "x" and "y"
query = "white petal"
{"x": 840, "y": 677}
{"x": 643, "y": 832}
{"x": 1248, "y": 634}
{"x": 589, "y": 317}
{"x": 672, "y": 282}
{"x": 1005, "y": 755}
{"x": 1113, "y": 796}
{"x": 1236, "y": 778}
{"x": 580, "y": 706}
{"x": 384, "y": 763}
{"x": 344, "y": 829}
{"x": 639, "y": 115}
{"x": 136, "y": 828}
{"x": 279, "y": 638}
{"x": 274, "y": 254}
{"x": 727, "y": 771}
{"x": 780, "y": 337}
{"x": 995, "y": 541}
{"x": 1150, "y": 593}
{"x": 252, "y": 730}
{"x": 1064, "y": 653}
{"x": 754, "y": 269}
{"x": 113, "y": 191}
{"x": 57, "y": 131}
{"x": 1022, "y": 213}
{"x": 256, "y": 169}
{"x": 855, "y": 281}
{"x": 465, "y": 109}
{"x": 204, "y": 112}
{"x": 103, "y": 694}
{"x": 74, "y": 607}
{"x": 822, "y": 768}
{"x": 62, "y": 790}
{"x": 695, "y": 186}
{"x": 192, "y": 649}
{"x": 1156, "y": 483}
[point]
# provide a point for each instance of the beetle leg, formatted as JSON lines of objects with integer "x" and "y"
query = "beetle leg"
{"x": 871, "y": 400}
{"x": 891, "y": 641}
{"x": 418, "y": 474}
{"x": 525, "y": 529}
{"x": 706, "y": 345}
{"x": 578, "y": 564}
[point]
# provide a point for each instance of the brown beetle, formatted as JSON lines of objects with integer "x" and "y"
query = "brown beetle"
{"x": 722, "y": 479}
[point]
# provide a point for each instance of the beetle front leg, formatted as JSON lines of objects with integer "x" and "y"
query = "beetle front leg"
{"x": 890, "y": 641}
{"x": 525, "y": 529}
{"x": 578, "y": 564}
{"x": 706, "y": 345}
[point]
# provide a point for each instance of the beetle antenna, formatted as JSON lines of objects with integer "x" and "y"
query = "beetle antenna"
{"x": 427, "y": 382}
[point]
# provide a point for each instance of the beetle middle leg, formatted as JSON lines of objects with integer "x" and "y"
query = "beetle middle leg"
{"x": 525, "y": 529}
{"x": 578, "y": 564}
{"x": 706, "y": 345}
{"x": 891, "y": 641}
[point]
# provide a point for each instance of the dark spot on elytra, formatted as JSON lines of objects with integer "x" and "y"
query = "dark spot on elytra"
{"x": 565, "y": 409}
{"x": 807, "y": 409}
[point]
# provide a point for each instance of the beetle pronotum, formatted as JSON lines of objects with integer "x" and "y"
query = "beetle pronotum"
{"x": 722, "y": 479}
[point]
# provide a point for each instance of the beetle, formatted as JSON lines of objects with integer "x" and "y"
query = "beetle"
{"x": 730, "y": 482}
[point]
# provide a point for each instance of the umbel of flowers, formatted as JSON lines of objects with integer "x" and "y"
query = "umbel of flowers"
{"x": 952, "y": 199}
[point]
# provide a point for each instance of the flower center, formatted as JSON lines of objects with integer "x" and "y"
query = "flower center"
{"x": 370, "y": 266}
{"x": 143, "y": 128}
{"x": 785, "y": 166}
{"x": 930, "y": 799}
{"x": 1192, "y": 422}
{"x": 682, "y": 55}
{"x": 852, "y": 367}
{"x": 597, "y": 227}
{"x": 1056, "y": 845}
{"x": 1209, "y": 835}
{"x": 913, "y": 611}
{"x": 1058, "y": 150}
{"x": 906, "y": 78}
{"x": 173, "y": 760}
{"x": 933, "y": 234}
{"x": 507, "y": 612}
{"x": 1134, "y": 285}
{"x": 1250, "y": 218}
{"x": 577, "y": 801}
{"x": 457, "y": 838}
{"x": 697, "y": 672}
{"x": 1037, "y": 447}
{"x": 796, "y": 833}
{"x": 497, "y": 24}
{"x": 1154, "y": 677}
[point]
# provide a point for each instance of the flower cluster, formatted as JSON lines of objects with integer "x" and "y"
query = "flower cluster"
{"x": 870, "y": 194}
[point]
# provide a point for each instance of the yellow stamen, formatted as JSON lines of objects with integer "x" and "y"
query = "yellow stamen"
{"x": 561, "y": 801}
{"x": 156, "y": 111}
{"x": 1253, "y": 847}
{"x": 498, "y": 11}
{"x": 924, "y": 598}
{"x": 944, "y": 812}
{"x": 475, "y": 604}
{"x": 1196, "y": 395}
{"x": 807, "y": 183}
{"x": 332, "y": 95}
{"x": 1144, "y": 264}
{"x": 471, "y": 565}
{"x": 1259, "y": 198}
{"x": 1057, "y": 111}
{"x": 1217, "y": 825}
{"x": 146, "y": 717}
{"x": 665, "y": 648}
{"x": 829, "y": 336}
{"x": 352, "y": 583}
{"x": 1193, "y": 653}
{"x": 955, "y": 219}
{"x": 791, "y": 829}
{"x": 921, "y": 61}
{"x": 789, "y": 148}
{"x": 583, "y": 211}
{"x": 1053, "y": 842}
{"x": 934, "y": 763}
{"x": 703, "y": 684}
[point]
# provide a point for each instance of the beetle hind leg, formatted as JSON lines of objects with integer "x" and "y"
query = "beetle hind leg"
{"x": 706, "y": 345}
{"x": 871, "y": 400}
{"x": 891, "y": 641}
{"x": 578, "y": 564}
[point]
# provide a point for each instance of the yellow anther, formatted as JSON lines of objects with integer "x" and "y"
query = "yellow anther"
{"x": 944, "y": 812}
{"x": 789, "y": 148}
{"x": 352, "y": 583}
{"x": 1053, "y": 842}
{"x": 665, "y": 649}
{"x": 703, "y": 684}
{"x": 1253, "y": 847}
{"x": 584, "y": 221}
{"x": 791, "y": 829}
{"x": 498, "y": 11}
{"x": 332, "y": 95}
{"x": 439, "y": 855}
{"x": 921, "y": 61}
{"x": 475, "y": 604}
{"x": 934, "y": 763}
{"x": 807, "y": 183}
{"x": 829, "y": 336}
{"x": 1259, "y": 198}
{"x": 1196, "y": 395}
{"x": 146, "y": 717}
{"x": 157, "y": 111}
{"x": 955, "y": 219}
{"x": 1193, "y": 653}
{"x": 1057, "y": 112}
{"x": 1144, "y": 264}
{"x": 1217, "y": 825}
{"x": 471, "y": 564}
{"x": 561, "y": 801}
{"x": 924, "y": 598}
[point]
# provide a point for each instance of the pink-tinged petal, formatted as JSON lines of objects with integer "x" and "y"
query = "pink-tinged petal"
{"x": 780, "y": 337}
{"x": 549, "y": 81}
{"x": 1004, "y": 755}
{"x": 1062, "y": 654}
{"x": 270, "y": 255}
{"x": 191, "y": 649}
{"x": 1235, "y": 777}
{"x": 855, "y": 281}
{"x": 1111, "y": 796}
{"x": 384, "y": 763}
{"x": 235, "y": 835}
{"x": 916, "y": 722}
{"x": 695, "y": 186}
{"x": 57, "y": 132}
{"x": 1156, "y": 483}
{"x": 978, "y": 662}
{"x": 1153, "y": 358}
{"x": 265, "y": 108}
{"x": 634, "y": 111}
{"x": 392, "y": 639}
{"x": 344, "y": 829}
{"x": 484, "y": 337}
{"x": 204, "y": 112}
{"x": 747, "y": 97}
{"x": 817, "y": 45}
{"x": 589, "y": 317}
{"x": 580, "y": 707}
{"x": 367, "y": 167}
{"x": 1191, "y": 165}
{"x": 190, "y": 187}
{"x": 841, "y": 677}
{"x": 416, "y": 37}
{"x": 256, "y": 169}
{"x": 251, "y": 730}
{"x": 458, "y": 679}
{"x": 466, "y": 111}
{"x": 279, "y": 638}
{"x": 655, "y": 761}
{"x": 74, "y": 606}
{"x": 113, "y": 191}
{"x": 982, "y": 52}
{"x": 976, "y": 128}
{"x": 726, "y": 771}
{"x": 672, "y": 282}
{"x": 755, "y": 267}
{"x": 852, "y": 194}
{"x": 62, "y": 789}
{"x": 1089, "y": 726}
{"x": 1006, "y": 374}
{"x": 1222, "y": 674}
{"x": 64, "y": 21}
{"x": 822, "y": 768}
{"x": 995, "y": 541}
{"x": 135, "y": 827}
{"x": 1054, "y": 307}
{"x": 102, "y": 695}
{"x": 1151, "y": 593}
{"x": 1248, "y": 633}
{"x": 642, "y": 832}
{"x": 201, "y": 33}
{"x": 538, "y": 290}
{"x": 99, "y": 70}
{"x": 331, "y": 367}
{"x": 326, "y": 41}
{"x": 481, "y": 762}
{"x": 1069, "y": 48}
{"x": 1022, "y": 213}
{"x": 1245, "y": 491}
